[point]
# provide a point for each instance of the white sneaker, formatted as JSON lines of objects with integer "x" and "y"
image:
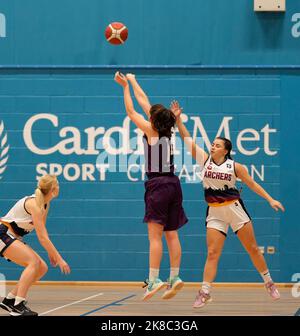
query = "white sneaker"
{"x": 152, "y": 287}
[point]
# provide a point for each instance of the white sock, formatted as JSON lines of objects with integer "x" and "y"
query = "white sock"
{"x": 206, "y": 287}
{"x": 18, "y": 300}
{"x": 174, "y": 271}
{"x": 266, "y": 276}
{"x": 153, "y": 274}
{"x": 10, "y": 296}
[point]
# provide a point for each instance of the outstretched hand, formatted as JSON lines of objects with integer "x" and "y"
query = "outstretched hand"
{"x": 276, "y": 205}
{"x": 176, "y": 109}
{"x": 60, "y": 262}
{"x": 121, "y": 79}
{"x": 64, "y": 267}
{"x": 130, "y": 76}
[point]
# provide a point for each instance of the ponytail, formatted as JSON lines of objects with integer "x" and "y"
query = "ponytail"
{"x": 39, "y": 196}
{"x": 45, "y": 185}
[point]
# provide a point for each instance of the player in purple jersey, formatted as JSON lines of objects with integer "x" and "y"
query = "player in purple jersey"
{"x": 225, "y": 208}
{"x": 164, "y": 213}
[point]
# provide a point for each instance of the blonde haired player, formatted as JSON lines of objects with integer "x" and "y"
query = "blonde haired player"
{"x": 225, "y": 208}
{"x": 27, "y": 214}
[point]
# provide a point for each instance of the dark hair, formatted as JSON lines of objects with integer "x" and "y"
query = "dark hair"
{"x": 162, "y": 120}
{"x": 227, "y": 145}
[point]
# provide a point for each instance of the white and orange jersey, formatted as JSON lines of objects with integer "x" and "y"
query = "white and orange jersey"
{"x": 219, "y": 182}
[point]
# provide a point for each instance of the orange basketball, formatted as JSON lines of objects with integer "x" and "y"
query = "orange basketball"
{"x": 116, "y": 33}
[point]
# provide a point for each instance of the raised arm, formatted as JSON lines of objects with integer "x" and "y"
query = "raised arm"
{"x": 137, "y": 118}
{"x": 140, "y": 95}
{"x": 242, "y": 173}
{"x": 197, "y": 152}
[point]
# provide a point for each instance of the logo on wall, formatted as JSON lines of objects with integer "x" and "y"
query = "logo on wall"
{"x": 296, "y": 26}
{"x": 4, "y": 147}
{"x": 2, "y": 25}
{"x": 125, "y": 155}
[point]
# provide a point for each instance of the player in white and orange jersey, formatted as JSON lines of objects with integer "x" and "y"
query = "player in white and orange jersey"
{"x": 225, "y": 208}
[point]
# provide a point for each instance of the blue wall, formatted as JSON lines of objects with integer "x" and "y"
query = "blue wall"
{"x": 160, "y": 32}
{"x": 97, "y": 225}
{"x": 96, "y": 222}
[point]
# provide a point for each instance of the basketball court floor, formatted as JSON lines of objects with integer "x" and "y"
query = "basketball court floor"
{"x": 124, "y": 299}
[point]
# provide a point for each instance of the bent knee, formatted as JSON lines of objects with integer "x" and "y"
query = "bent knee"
{"x": 43, "y": 267}
{"x": 171, "y": 235}
{"x": 34, "y": 262}
{"x": 213, "y": 254}
{"x": 254, "y": 249}
{"x": 155, "y": 236}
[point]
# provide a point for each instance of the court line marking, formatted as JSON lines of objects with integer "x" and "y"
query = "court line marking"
{"x": 70, "y": 304}
{"x": 115, "y": 303}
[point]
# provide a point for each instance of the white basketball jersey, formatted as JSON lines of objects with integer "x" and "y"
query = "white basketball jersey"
{"x": 219, "y": 181}
{"x": 18, "y": 215}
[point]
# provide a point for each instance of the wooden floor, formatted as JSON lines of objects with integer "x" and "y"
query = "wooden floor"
{"x": 97, "y": 300}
